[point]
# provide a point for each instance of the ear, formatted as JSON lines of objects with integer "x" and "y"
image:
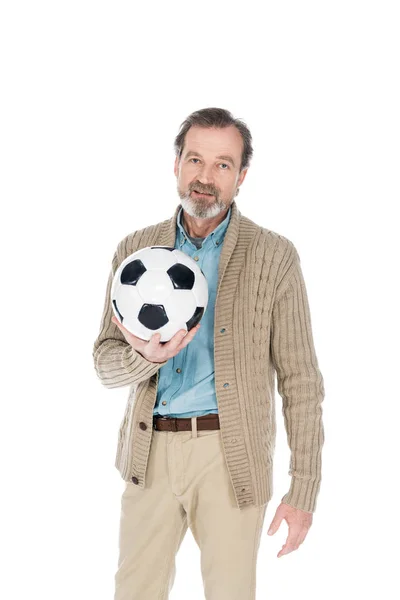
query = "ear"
{"x": 176, "y": 166}
{"x": 242, "y": 176}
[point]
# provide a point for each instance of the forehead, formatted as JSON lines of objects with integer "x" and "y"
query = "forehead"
{"x": 213, "y": 141}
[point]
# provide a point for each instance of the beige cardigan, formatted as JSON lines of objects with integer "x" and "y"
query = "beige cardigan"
{"x": 262, "y": 329}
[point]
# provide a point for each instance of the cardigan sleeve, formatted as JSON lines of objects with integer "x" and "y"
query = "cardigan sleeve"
{"x": 301, "y": 387}
{"x": 116, "y": 362}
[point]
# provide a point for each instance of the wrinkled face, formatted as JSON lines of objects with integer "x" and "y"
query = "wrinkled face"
{"x": 208, "y": 172}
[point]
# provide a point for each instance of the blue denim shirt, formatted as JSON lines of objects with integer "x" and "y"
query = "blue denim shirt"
{"x": 186, "y": 386}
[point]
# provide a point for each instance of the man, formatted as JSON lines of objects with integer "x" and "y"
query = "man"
{"x": 196, "y": 443}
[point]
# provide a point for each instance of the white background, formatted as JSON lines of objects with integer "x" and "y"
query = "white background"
{"x": 92, "y": 96}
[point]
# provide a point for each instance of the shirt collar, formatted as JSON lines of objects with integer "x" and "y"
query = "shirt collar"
{"x": 216, "y": 236}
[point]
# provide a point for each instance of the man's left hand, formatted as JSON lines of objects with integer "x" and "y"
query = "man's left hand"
{"x": 299, "y": 522}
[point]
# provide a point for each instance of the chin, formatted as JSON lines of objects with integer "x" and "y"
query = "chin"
{"x": 200, "y": 210}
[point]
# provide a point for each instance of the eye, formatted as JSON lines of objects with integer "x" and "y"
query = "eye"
{"x": 225, "y": 165}
{"x": 194, "y": 159}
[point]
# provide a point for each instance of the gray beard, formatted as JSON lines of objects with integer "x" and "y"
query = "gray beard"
{"x": 202, "y": 209}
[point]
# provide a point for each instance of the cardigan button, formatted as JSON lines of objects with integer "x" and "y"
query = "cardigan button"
{"x": 142, "y": 425}
{"x": 222, "y": 330}
{"x": 226, "y": 385}
{"x": 135, "y": 480}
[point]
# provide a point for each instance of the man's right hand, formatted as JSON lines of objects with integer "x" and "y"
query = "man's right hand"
{"x": 153, "y": 350}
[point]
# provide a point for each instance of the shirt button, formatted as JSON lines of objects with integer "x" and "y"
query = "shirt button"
{"x": 178, "y": 370}
{"x": 135, "y": 480}
{"x": 142, "y": 425}
{"x": 164, "y": 403}
{"x": 196, "y": 258}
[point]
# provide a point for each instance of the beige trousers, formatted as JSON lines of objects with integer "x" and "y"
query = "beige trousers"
{"x": 187, "y": 485}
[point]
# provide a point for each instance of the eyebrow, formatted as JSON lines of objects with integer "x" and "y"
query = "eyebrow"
{"x": 222, "y": 156}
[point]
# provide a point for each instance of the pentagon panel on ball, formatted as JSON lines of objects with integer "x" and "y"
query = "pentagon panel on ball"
{"x": 159, "y": 289}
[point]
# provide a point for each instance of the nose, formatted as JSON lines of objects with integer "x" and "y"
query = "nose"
{"x": 204, "y": 175}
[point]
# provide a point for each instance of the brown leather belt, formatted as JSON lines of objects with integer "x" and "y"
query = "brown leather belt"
{"x": 210, "y": 421}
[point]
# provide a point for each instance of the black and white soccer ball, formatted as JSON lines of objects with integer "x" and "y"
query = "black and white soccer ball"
{"x": 159, "y": 289}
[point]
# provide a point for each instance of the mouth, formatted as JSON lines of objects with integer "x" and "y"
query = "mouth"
{"x": 196, "y": 193}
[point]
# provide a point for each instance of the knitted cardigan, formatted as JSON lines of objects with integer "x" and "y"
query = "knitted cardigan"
{"x": 262, "y": 331}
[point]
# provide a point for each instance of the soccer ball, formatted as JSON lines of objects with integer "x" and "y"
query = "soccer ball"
{"x": 159, "y": 289}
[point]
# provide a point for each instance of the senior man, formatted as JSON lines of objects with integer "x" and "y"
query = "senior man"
{"x": 196, "y": 444}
